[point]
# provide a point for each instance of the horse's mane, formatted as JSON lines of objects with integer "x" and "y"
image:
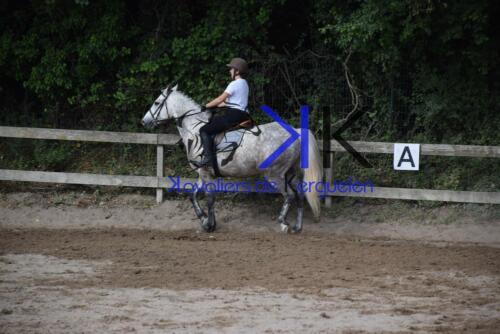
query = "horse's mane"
{"x": 185, "y": 99}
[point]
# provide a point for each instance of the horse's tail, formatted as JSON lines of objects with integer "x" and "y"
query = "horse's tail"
{"x": 313, "y": 174}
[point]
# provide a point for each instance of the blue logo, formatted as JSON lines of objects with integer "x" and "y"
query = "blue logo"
{"x": 294, "y": 135}
{"x": 304, "y": 136}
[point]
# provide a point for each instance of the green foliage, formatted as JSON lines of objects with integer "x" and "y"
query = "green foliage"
{"x": 201, "y": 56}
{"x": 445, "y": 50}
{"x": 36, "y": 155}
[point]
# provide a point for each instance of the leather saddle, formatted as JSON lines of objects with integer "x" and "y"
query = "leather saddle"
{"x": 243, "y": 125}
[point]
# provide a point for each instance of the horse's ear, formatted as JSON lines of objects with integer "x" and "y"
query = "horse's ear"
{"x": 175, "y": 87}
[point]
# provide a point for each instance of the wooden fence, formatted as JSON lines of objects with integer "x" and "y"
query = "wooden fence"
{"x": 160, "y": 182}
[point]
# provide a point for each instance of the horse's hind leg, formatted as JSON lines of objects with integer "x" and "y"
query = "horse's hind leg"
{"x": 299, "y": 196}
{"x": 294, "y": 178}
{"x": 300, "y": 212}
{"x": 284, "y": 212}
{"x": 288, "y": 196}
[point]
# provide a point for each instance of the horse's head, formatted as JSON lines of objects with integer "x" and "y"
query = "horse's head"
{"x": 159, "y": 111}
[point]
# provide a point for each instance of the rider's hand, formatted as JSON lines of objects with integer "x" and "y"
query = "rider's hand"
{"x": 205, "y": 108}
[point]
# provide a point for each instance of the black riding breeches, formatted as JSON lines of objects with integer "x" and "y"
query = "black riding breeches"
{"x": 230, "y": 118}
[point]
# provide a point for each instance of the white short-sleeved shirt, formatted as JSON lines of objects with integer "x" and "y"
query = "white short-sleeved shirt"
{"x": 238, "y": 94}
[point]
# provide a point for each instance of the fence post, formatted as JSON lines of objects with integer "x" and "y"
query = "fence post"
{"x": 326, "y": 152}
{"x": 328, "y": 178}
{"x": 159, "y": 172}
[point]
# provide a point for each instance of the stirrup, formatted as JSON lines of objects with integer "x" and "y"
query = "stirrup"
{"x": 198, "y": 164}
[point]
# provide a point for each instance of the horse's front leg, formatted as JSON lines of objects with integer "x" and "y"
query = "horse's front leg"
{"x": 209, "y": 223}
{"x": 196, "y": 205}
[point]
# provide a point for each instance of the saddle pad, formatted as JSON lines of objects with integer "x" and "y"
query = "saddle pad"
{"x": 228, "y": 140}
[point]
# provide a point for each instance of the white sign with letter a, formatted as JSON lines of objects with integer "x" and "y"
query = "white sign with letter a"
{"x": 406, "y": 156}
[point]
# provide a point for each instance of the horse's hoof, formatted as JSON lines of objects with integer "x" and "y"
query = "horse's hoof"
{"x": 284, "y": 228}
{"x": 208, "y": 224}
{"x": 214, "y": 226}
{"x": 204, "y": 224}
{"x": 296, "y": 229}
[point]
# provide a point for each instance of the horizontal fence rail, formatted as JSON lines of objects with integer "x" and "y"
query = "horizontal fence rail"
{"x": 87, "y": 135}
{"x": 425, "y": 149}
{"x": 171, "y": 139}
{"x": 81, "y": 178}
{"x": 162, "y": 183}
{"x": 166, "y": 183}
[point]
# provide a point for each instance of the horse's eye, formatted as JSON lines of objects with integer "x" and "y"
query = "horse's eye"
{"x": 157, "y": 103}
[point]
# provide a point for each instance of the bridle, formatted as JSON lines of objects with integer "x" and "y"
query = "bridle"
{"x": 157, "y": 111}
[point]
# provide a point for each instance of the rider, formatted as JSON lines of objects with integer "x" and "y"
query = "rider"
{"x": 232, "y": 102}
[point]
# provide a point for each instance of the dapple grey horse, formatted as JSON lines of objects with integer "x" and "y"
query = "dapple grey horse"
{"x": 284, "y": 172}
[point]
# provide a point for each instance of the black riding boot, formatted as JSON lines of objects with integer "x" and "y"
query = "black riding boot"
{"x": 208, "y": 152}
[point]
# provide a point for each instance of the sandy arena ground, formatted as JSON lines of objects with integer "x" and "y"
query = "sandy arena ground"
{"x": 71, "y": 262}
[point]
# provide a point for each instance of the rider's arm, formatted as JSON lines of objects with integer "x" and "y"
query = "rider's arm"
{"x": 218, "y": 101}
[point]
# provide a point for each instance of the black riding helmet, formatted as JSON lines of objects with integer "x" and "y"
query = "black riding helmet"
{"x": 239, "y": 64}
